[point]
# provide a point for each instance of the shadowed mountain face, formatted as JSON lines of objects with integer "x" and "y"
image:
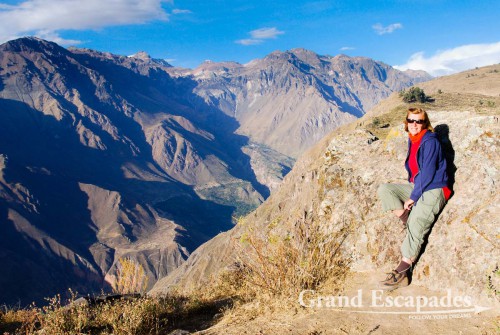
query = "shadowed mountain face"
{"x": 105, "y": 157}
{"x": 102, "y": 158}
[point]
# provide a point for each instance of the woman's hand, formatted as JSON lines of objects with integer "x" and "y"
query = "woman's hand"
{"x": 408, "y": 204}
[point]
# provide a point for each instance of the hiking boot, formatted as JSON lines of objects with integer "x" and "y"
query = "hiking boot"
{"x": 395, "y": 280}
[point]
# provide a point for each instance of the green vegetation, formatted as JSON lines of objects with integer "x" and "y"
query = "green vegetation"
{"x": 230, "y": 195}
{"x": 414, "y": 94}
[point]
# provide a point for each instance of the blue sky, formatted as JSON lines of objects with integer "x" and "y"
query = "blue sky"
{"x": 438, "y": 36}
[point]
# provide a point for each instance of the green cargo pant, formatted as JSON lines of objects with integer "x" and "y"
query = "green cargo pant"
{"x": 422, "y": 215}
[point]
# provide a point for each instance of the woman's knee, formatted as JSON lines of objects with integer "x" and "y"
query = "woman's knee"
{"x": 383, "y": 190}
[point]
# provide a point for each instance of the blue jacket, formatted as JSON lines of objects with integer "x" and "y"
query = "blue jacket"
{"x": 431, "y": 166}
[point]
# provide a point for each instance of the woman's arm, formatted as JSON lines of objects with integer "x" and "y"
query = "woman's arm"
{"x": 430, "y": 153}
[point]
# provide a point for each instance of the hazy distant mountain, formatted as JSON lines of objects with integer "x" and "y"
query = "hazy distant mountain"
{"x": 290, "y": 100}
{"x": 105, "y": 156}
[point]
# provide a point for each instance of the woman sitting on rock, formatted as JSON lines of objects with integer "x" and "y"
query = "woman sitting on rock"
{"x": 418, "y": 203}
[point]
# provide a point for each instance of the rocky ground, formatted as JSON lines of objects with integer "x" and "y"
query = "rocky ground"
{"x": 365, "y": 320}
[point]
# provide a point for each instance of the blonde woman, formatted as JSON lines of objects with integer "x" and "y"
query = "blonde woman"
{"x": 417, "y": 203}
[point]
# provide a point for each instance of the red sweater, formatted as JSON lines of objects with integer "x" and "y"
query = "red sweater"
{"x": 412, "y": 160}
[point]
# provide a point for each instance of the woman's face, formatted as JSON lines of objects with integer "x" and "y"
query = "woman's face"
{"x": 413, "y": 127}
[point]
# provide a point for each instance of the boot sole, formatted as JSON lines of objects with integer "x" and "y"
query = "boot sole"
{"x": 403, "y": 283}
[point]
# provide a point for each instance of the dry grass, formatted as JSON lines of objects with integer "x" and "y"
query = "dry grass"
{"x": 474, "y": 91}
{"x": 121, "y": 317}
{"x": 275, "y": 265}
{"x": 481, "y": 104}
{"x": 125, "y": 316}
{"x": 381, "y": 125}
{"x": 273, "y": 268}
{"x": 130, "y": 277}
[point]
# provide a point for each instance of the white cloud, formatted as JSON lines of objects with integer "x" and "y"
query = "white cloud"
{"x": 454, "y": 60}
{"x": 39, "y": 17}
{"x": 346, "y": 48}
{"x": 181, "y": 11}
{"x": 5, "y": 6}
{"x": 259, "y": 35}
{"x": 266, "y": 33}
{"x": 381, "y": 30}
{"x": 54, "y": 37}
{"x": 249, "y": 41}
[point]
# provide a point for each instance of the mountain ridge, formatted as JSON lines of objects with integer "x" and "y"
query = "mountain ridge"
{"x": 85, "y": 169}
{"x": 330, "y": 91}
{"x": 108, "y": 157}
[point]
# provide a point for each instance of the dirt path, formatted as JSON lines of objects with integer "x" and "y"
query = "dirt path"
{"x": 369, "y": 313}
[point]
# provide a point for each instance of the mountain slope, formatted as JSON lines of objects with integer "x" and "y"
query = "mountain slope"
{"x": 290, "y": 100}
{"x": 107, "y": 157}
{"x": 102, "y": 157}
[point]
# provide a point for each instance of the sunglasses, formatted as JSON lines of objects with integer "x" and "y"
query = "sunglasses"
{"x": 415, "y": 121}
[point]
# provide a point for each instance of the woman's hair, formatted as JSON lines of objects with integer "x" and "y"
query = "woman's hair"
{"x": 427, "y": 125}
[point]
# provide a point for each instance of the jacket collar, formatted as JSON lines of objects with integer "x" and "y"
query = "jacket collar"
{"x": 428, "y": 134}
{"x": 417, "y": 138}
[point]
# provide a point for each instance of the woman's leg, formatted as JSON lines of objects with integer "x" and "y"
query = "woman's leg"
{"x": 420, "y": 221}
